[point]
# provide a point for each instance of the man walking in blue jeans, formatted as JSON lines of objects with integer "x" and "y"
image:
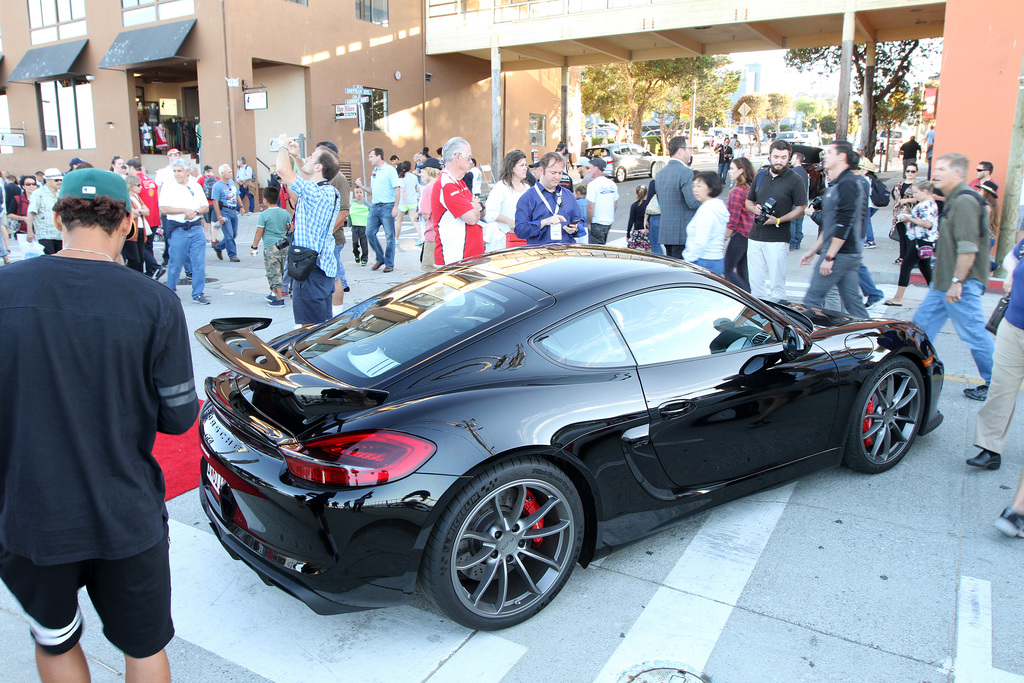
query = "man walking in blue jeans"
{"x": 182, "y": 205}
{"x": 225, "y": 203}
{"x": 961, "y": 269}
{"x": 384, "y": 185}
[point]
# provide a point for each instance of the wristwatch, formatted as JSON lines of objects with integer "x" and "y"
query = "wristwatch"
{"x": 830, "y": 259}
{"x": 956, "y": 280}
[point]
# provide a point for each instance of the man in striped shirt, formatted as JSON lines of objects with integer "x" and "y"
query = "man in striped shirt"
{"x": 455, "y": 212}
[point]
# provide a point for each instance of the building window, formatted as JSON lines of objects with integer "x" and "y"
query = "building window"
{"x": 52, "y": 20}
{"x": 135, "y": 12}
{"x": 5, "y": 120}
{"x": 68, "y": 121}
{"x": 538, "y": 130}
{"x": 375, "y": 112}
{"x": 374, "y": 11}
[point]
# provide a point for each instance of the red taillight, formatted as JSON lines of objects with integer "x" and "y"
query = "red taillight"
{"x": 358, "y": 459}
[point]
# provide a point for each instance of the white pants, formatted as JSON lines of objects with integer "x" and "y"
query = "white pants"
{"x": 766, "y": 268}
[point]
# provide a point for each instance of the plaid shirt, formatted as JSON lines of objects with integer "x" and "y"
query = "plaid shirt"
{"x": 315, "y": 210}
{"x": 740, "y": 219}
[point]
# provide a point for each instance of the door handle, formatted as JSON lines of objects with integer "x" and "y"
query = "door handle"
{"x": 676, "y": 408}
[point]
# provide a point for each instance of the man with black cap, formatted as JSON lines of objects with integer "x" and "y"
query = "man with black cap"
{"x": 83, "y": 503}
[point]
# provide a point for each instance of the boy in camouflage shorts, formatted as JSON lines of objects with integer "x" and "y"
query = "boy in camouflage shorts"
{"x": 274, "y": 223}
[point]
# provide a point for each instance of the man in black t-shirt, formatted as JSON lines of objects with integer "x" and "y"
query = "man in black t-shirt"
{"x": 909, "y": 151}
{"x": 97, "y": 362}
{"x": 768, "y": 243}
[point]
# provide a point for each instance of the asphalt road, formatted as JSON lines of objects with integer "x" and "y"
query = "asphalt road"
{"x": 837, "y": 577}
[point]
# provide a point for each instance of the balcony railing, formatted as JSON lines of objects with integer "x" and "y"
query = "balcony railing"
{"x": 502, "y": 11}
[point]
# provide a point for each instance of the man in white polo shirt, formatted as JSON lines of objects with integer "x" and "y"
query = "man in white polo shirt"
{"x": 602, "y": 200}
{"x": 182, "y": 204}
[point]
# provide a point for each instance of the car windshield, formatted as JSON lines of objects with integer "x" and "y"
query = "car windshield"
{"x": 379, "y": 337}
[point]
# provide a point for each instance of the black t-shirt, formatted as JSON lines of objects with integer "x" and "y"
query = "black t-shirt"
{"x": 96, "y": 360}
{"x": 910, "y": 149}
{"x": 788, "y": 189}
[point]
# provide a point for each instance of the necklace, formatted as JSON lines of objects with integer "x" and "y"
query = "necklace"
{"x": 89, "y": 251}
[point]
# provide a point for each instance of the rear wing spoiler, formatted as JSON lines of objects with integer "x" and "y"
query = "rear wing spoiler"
{"x": 234, "y": 343}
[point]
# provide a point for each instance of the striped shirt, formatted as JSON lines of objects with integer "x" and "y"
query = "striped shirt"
{"x": 316, "y": 208}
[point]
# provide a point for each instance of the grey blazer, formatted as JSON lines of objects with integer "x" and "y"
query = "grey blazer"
{"x": 674, "y": 189}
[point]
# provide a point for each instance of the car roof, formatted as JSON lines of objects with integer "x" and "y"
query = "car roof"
{"x": 558, "y": 269}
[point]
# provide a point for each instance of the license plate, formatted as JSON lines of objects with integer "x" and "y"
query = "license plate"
{"x": 218, "y": 439}
{"x": 215, "y": 479}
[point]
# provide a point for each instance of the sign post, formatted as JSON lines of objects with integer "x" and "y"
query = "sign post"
{"x": 359, "y": 97}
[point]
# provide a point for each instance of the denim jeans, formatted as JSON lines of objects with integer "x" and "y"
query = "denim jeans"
{"x": 230, "y": 229}
{"x": 716, "y": 265}
{"x": 844, "y": 278}
{"x": 867, "y": 284}
{"x": 654, "y": 223}
{"x": 598, "y": 234}
{"x": 187, "y": 243}
{"x": 338, "y": 248}
{"x": 796, "y": 232}
{"x": 869, "y": 231}
{"x": 380, "y": 215}
{"x": 968, "y": 321}
{"x": 723, "y": 171}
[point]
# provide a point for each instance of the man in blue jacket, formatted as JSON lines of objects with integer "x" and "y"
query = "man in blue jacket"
{"x": 548, "y": 213}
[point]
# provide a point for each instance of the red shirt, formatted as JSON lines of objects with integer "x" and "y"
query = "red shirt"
{"x": 456, "y": 240}
{"x": 148, "y": 196}
{"x": 740, "y": 220}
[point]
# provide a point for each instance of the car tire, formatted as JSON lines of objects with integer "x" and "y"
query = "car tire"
{"x": 887, "y": 417}
{"x": 482, "y": 566}
{"x": 620, "y": 174}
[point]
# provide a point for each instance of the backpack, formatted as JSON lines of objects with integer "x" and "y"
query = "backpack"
{"x": 208, "y": 186}
{"x": 879, "y": 192}
{"x": 983, "y": 228}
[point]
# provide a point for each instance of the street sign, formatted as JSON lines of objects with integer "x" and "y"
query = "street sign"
{"x": 358, "y": 90}
{"x": 744, "y": 109}
{"x": 357, "y": 100}
{"x": 12, "y": 139}
{"x": 346, "y": 111}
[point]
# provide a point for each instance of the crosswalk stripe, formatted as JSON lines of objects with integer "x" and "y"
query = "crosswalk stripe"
{"x": 686, "y": 616}
{"x": 221, "y": 605}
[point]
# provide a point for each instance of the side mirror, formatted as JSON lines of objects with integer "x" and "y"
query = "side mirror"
{"x": 794, "y": 345}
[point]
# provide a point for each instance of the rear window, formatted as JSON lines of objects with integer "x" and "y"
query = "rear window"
{"x": 382, "y": 336}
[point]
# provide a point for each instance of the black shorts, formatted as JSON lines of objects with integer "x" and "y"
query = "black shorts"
{"x": 132, "y": 597}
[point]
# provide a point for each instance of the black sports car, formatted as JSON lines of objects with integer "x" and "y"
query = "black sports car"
{"x": 485, "y": 427}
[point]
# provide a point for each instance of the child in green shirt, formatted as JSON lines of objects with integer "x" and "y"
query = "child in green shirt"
{"x": 274, "y": 223}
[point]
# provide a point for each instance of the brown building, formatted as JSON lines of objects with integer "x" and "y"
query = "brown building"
{"x": 80, "y": 78}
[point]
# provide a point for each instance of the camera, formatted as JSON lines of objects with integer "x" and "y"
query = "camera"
{"x": 767, "y": 210}
{"x": 816, "y": 203}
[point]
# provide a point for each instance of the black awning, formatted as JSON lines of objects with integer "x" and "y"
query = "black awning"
{"x": 149, "y": 44}
{"x": 50, "y": 61}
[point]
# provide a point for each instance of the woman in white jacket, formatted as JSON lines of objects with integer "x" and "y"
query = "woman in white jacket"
{"x": 500, "y": 210}
{"x": 705, "y": 235}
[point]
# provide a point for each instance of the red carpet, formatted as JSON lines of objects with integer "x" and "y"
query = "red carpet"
{"x": 179, "y": 456}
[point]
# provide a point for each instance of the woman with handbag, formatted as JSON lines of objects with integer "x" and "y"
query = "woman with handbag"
{"x": 637, "y": 235}
{"x": 903, "y": 201}
{"x": 995, "y": 417}
{"x": 922, "y": 223}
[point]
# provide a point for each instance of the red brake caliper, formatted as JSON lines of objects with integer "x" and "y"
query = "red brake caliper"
{"x": 529, "y": 507}
{"x": 868, "y": 422}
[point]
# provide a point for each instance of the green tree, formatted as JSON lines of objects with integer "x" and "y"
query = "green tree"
{"x": 902, "y": 106}
{"x": 828, "y": 124}
{"x": 758, "y": 103}
{"x": 893, "y": 62}
{"x": 632, "y": 93}
{"x": 779, "y": 106}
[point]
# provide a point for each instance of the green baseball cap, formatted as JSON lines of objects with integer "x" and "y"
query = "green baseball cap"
{"x": 90, "y": 183}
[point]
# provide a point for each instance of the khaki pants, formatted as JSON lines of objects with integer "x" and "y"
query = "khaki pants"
{"x": 995, "y": 417}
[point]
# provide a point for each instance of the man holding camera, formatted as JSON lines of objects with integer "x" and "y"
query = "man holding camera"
{"x": 777, "y": 196}
{"x": 840, "y": 240}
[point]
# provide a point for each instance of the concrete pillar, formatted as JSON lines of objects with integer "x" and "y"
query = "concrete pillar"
{"x": 845, "y": 69}
{"x": 867, "y": 109}
{"x": 496, "y": 141}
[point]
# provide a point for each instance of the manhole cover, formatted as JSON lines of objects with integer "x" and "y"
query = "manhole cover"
{"x": 660, "y": 672}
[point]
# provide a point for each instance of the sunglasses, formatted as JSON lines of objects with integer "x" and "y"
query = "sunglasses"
{"x": 981, "y": 170}
{"x": 30, "y": 185}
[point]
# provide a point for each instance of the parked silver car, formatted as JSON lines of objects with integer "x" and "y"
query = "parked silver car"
{"x": 626, "y": 160}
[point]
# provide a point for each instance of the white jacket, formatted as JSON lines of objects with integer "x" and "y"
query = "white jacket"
{"x": 705, "y": 235}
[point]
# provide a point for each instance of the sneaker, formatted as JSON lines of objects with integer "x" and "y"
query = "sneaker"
{"x": 201, "y": 300}
{"x": 869, "y": 245}
{"x": 276, "y": 303}
{"x": 872, "y": 300}
{"x": 363, "y": 262}
{"x": 159, "y": 273}
{"x": 978, "y": 393}
{"x": 271, "y": 297}
{"x": 185, "y": 280}
{"x": 1010, "y": 523}
{"x": 235, "y": 259}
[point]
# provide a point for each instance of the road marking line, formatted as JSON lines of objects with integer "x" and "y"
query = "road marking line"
{"x": 973, "y": 663}
{"x": 686, "y": 616}
{"x": 222, "y": 606}
{"x": 483, "y": 659}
